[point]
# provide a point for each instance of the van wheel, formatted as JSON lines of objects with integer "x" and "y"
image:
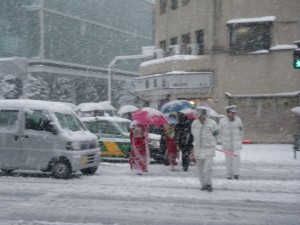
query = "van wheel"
{"x": 89, "y": 171}
{"x": 62, "y": 169}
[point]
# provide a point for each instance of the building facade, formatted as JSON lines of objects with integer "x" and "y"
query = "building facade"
{"x": 67, "y": 45}
{"x": 238, "y": 51}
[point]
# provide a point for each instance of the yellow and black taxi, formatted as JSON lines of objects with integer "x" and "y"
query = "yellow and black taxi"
{"x": 113, "y": 136}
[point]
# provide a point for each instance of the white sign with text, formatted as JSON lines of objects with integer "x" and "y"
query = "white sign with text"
{"x": 174, "y": 80}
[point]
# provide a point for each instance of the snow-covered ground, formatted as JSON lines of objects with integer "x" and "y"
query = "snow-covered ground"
{"x": 267, "y": 193}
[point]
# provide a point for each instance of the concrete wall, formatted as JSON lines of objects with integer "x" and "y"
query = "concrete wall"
{"x": 245, "y": 74}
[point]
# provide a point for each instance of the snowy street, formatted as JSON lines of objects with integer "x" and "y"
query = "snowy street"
{"x": 268, "y": 192}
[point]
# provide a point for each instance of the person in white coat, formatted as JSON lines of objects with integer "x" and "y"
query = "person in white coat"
{"x": 231, "y": 135}
{"x": 204, "y": 131}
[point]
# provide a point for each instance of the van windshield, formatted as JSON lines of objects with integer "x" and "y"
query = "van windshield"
{"x": 8, "y": 118}
{"x": 124, "y": 126}
{"x": 103, "y": 127}
{"x": 69, "y": 121}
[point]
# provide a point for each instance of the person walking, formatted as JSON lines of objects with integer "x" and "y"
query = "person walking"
{"x": 139, "y": 151}
{"x": 184, "y": 139}
{"x": 204, "y": 131}
{"x": 170, "y": 140}
{"x": 231, "y": 135}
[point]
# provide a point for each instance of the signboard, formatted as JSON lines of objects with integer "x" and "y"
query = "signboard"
{"x": 195, "y": 80}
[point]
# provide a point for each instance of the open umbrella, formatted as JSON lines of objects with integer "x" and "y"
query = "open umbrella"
{"x": 150, "y": 116}
{"x": 172, "y": 120}
{"x": 106, "y": 105}
{"x": 175, "y": 106}
{"x": 190, "y": 113}
{"x": 127, "y": 109}
{"x": 210, "y": 111}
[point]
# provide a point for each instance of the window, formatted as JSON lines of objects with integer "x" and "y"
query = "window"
{"x": 37, "y": 120}
{"x": 163, "y": 6}
{"x": 174, "y": 4}
{"x": 249, "y": 37}
{"x": 69, "y": 122}
{"x": 124, "y": 126}
{"x": 10, "y": 45}
{"x": 107, "y": 128}
{"x": 185, "y": 40}
{"x": 200, "y": 41}
{"x": 163, "y": 46}
{"x": 185, "y": 2}
{"x": 8, "y": 119}
{"x": 174, "y": 41}
{"x": 93, "y": 127}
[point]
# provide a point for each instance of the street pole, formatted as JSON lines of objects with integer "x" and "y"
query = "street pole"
{"x": 109, "y": 85}
{"x": 112, "y": 64}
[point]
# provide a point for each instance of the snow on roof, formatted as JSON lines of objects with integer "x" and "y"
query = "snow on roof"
{"x": 91, "y": 106}
{"x": 37, "y": 104}
{"x": 282, "y": 47}
{"x": 172, "y": 72}
{"x": 177, "y": 72}
{"x": 11, "y": 59}
{"x": 106, "y": 118}
{"x": 253, "y": 20}
{"x": 296, "y": 110}
{"x": 170, "y": 58}
{"x": 259, "y": 52}
{"x": 287, "y": 94}
{"x": 298, "y": 41}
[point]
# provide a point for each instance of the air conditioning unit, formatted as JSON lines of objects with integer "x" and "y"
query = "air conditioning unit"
{"x": 158, "y": 53}
{"x": 148, "y": 50}
{"x": 192, "y": 49}
{"x": 173, "y": 50}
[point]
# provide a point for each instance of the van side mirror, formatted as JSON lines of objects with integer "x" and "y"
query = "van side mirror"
{"x": 51, "y": 128}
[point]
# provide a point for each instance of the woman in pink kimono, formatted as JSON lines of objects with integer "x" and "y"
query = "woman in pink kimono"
{"x": 171, "y": 146}
{"x": 139, "y": 151}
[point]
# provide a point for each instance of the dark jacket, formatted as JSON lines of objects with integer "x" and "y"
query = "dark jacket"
{"x": 184, "y": 138}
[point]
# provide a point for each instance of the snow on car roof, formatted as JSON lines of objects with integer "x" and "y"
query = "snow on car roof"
{"x": 37, "y": 104}
{"x": 106, "y": 118}
{"x": 91, "y": 106}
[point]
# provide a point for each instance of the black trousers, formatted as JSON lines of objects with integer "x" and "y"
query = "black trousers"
{"x": 186, "y": 152}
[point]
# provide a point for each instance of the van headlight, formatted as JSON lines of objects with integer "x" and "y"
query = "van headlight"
{"x": 73, "y": 146}
{"x": 82, "y": 145}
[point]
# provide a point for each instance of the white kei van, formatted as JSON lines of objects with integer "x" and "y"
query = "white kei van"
{"x": 46, "y": 136}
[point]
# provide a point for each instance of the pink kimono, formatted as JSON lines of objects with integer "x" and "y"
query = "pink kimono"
{"x": 139, "y": 151}
{"x": 171, "y": 147}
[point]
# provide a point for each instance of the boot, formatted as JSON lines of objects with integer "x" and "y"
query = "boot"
{"x": 209, "y": 188}
{"x": 203, "y": 188}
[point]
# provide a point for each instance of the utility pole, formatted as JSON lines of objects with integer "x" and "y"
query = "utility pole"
{"x": 113, "y": 62}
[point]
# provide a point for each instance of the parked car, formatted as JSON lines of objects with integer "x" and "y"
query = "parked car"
{"x": 113, "y": 135}
{"x": 46, "y": 136}
{"x": 88, "y": 109}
